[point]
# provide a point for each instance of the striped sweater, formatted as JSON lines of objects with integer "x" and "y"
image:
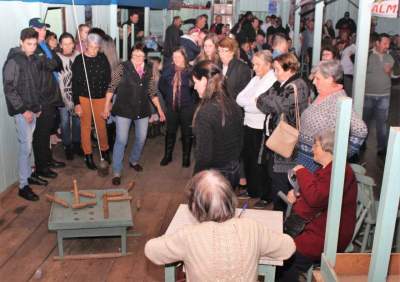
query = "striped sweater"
{"x": 320, "y": 117}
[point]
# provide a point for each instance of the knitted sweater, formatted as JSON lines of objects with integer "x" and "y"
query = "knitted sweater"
{"x": 227, "y": 251}
{"x": 318, "y": 118}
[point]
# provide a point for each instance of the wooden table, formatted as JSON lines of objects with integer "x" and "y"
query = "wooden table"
{"x": 272, "y": 219}
{"x": 90, "y": 221}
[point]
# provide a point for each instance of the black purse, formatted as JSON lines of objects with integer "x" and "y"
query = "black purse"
{"x": 294, "y": 225}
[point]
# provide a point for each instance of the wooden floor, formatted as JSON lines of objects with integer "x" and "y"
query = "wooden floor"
{"x": 27, "y": 247}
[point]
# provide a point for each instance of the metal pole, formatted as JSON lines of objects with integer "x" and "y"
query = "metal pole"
{"x": 387, "y": 211}
{"x": 146, "y": 21}
{"x": 113, "y": 27}
{"x": 125, "y": 42}
{"x": 296, "y": 32}
{"x": 361, "y": 60}
{"x": 342, "y": 129}
{"x": 164, "y": 13}
{"x": 319, "y": 18}
{"x": 132, "y": 35}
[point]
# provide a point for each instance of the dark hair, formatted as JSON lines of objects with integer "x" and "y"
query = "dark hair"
{"x": 218, "y": 28}
{"x": 215, "y": 89}
{"x": 288, "y": 61}
{"x": 65, "y": 35}
{"x": 137, "y": 47}
{"x": 154, "y": 59}
{"x": 183, "y": 53}
{"x": 134, "y": 12}
{"x": 382, "y": 35}
{"x": 50, "y": 34}
{"x": 331, "y": 49}
{"x": 98, "y": 31}
{"x": 176, "y": 18}
{"x": 28, "y": 33}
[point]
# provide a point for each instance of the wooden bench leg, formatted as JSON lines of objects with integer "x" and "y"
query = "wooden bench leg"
{"x": 60, "y": 243}
{"x": 170, "y": 274}
{"x": 123, "y": 241}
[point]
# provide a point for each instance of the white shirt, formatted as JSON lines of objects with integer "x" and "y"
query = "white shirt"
{"x": 347, "y": 64}
{"x": 253, "y": 117}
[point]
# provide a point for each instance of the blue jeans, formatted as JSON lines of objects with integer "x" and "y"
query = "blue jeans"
{"x": 70, "y": 127}
{"x": 377, "y": 108}
{"x": 122, "y": 134}
{"x": 25, "y": 136}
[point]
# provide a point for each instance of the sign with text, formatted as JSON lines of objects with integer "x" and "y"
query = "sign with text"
{"x": 387, "y": 9}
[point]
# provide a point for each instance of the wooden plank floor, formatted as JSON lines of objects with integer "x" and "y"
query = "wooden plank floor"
{"x": 27, "y": 246}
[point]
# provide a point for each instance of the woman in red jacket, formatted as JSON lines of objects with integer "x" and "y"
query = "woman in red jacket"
{"x": 311, "y": 204}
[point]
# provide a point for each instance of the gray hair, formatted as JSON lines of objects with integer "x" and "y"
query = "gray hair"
{"x": 211, "y": 197}
{"x": 264, "y": 55}
{"x": 331, "y": 68}
{"x": 95, "y": 39}
{"x": 326, "y": 139}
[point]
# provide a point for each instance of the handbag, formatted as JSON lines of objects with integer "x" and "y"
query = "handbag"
{"x": 284, "y": 137}
{"x": 294, "y": 225}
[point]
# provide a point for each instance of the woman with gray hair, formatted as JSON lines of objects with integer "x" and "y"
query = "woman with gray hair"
{"x": 93, "y": 68}
{"x": 254, "y": 167}
{"x": 222, "y": 247}
{"x": 321, "y": 114}
{"x": 310, "y": 210}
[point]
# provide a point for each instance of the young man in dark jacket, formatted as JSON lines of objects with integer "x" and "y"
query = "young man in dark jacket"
{"x": 50, "y": 99}
{"x": 21, "y": 89}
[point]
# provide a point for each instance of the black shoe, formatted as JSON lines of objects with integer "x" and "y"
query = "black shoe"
{"x": 77, "y": 149}
{"x": 106, "y": 156}
{"x": 69, "y": 153}
{"x": 46, "y": 173}
{"x": 186, "y": 149}
{"x": 116, "y": 180}
{"x": 381, "y": 153}
{"x": 55, "y": 164}
{"x": 136, "y": 167}
{"x": 89, "y": 162}
{"x": 36, "y": 180}
{"x": 28, "y": 194}
{"x": 261, "y": 204}
{"x": 169, "y": 148}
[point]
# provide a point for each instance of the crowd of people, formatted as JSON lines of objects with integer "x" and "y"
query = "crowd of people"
{"x": 227, "y": 90}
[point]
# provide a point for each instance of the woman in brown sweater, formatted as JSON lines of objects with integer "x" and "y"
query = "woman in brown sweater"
{"x": 222, "y": 247}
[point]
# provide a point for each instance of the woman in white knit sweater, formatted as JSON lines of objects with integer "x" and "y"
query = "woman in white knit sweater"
{"x": 221, "y": 247}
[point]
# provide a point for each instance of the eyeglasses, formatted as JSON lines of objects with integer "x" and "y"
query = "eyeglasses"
{"x": 138, "y": 56}
{"x": 223, "y": 50}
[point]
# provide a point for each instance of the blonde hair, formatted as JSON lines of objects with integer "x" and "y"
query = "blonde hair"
{"x": 211, "y": 197}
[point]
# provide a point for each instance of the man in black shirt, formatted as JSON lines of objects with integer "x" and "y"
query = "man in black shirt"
{"x": 172, "y": 39}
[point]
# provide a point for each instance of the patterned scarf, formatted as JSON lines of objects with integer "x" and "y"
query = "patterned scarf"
{"x": 176, "y": 88}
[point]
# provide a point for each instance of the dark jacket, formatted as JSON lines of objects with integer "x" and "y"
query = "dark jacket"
{"x": 99, "y": 76}
{"x": 50, "y": 94}
{"x": 21, "y": 82}
{"x": 237, "y": 77}
{"x": 188, "y": 97}
{"x": 191, "y": 48}
{"x": 279, "y": 99}
{"x": 216, "y": 144}
{"x": 313, "y": 205}
{"x": 172, "y": 40}
{"x": 132, "y": 94}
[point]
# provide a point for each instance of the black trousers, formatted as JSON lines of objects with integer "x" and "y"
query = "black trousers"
{"x": 183, "y": 118}
{"x": 256, "y": 174}
{"x": 279, "y": 182}
{"x": 41, "y": 137}
{"x": 293, "y": 268}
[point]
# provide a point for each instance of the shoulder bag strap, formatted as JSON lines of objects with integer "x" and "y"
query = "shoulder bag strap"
{"x": 296, "y": 105}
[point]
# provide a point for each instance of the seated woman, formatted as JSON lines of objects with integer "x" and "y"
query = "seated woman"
{"x": 311, "y": 205}
{"x": 221, "y": 247}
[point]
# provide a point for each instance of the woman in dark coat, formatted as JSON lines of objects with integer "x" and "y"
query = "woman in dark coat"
{"x": 217, "y": 124}
{"x": 180, "y": 100}
{"x": 131, "y": 83}
{"x": 278, "y": 100}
